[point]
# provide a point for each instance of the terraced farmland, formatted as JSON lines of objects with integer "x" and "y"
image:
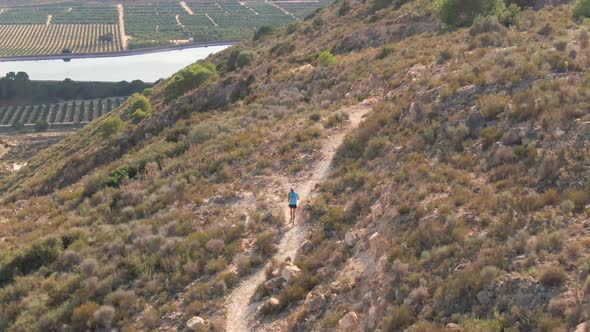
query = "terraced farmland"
{"x": 64, "y": 113}
{"x": 25, "y": 39}
{"x": 69, "y": 13}
{"x": 78, "y": 27}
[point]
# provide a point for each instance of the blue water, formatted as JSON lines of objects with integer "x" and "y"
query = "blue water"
{"x": 146, "y": 67}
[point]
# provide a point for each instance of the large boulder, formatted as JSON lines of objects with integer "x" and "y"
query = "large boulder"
{"x": 271, "y": 305}
{"x": 350, "y": 238}
{"x": 197, "y": 324}
{"x": 349, "y": 322}
{"x": 290, "y": 272}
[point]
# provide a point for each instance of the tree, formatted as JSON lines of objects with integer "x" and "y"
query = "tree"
{"x": 326, "y": 58}
{"x": 190, "y": 77}
{"x": 41, "y": 125}
{"x": 111, "y": 125}
{"x": 245, "y": 58}
{"x": 263, "y": 31}
{"x": 18, "y": 126}
{"x": 463, "y": 12}
{"x": 582, "y": 8}
{"x": 106, "y": 38}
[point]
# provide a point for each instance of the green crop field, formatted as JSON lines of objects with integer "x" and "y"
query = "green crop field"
{"x": 83, "y": 27}
{"x": 63, "y": 113}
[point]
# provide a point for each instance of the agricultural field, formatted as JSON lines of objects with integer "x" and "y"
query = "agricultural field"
{"x": 94, "y": 28}
{"x": 64, "y": 113}
{"x": 25, "y": 39}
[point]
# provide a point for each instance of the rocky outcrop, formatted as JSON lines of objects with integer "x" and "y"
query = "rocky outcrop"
{"x": 290, "y": 272}
{"x": 197, "y": 324}
{"x": 349, "y": 322}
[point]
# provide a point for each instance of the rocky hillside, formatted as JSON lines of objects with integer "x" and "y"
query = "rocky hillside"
{"x": 461, "y": 201}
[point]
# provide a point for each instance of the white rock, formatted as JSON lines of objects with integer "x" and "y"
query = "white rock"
{"x": 583, "y": 327}
{"x": 349, "y": 321}
{"x": 377, "y": 245}
{"x": 290, "y": 272}
{"x": 197, "y": 324}
{"x": 350, "y": 238}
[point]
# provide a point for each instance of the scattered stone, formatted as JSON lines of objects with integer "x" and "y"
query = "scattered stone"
{"x": 271, "y": 305}
{"x": 197, "y": 324}
{"x": 349, "y": 321}
{"x": 314, "y": 302}
{"x": 350, "y": 238}
{"x": 559, "y": 132}
{"x": 290, "y": 272}
{"x": 453, "y": 327}
{"x": 274, "y": 283}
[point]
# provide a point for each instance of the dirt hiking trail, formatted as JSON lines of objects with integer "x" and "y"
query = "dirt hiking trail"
{"x": 239, "y": 310}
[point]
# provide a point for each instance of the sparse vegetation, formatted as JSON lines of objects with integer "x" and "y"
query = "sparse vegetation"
{"x": 462, "y": 198}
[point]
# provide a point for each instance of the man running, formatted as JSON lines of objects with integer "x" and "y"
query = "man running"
{"x": 293, "y": 197}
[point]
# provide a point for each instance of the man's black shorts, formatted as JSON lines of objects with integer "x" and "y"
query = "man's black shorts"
{"x": 293, "y": 206}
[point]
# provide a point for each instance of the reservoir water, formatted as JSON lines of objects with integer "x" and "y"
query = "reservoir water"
{"x": 147, "y": 67}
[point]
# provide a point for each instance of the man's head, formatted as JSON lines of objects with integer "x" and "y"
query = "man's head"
{"x": 292, "y": 189}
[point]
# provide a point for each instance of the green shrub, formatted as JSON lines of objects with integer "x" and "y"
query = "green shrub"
{"x": 492, "y": 105}
{"x": 375, "y": 147}
{"x": 139, "y": 115}
{"x": 139, "y": 101}
{"x": 83, "y": 316}
{"x": 31, "y": 259}
{"x": 264, "y": 30}
{"x": 489, "y": 136}
{"x": 41, "y": 125}
{"x": 245, "y": 58}
{"x": 582, "y": 8}
{"x": 189, "y": 78}
{"x": 400, "y": 317}
{"x": 380, "y": 4}
{"x": 560, "y": 44}
{"x": 111, "y": 125}
{"x": 444, "y": 56}
{"x": 385, "y": 52}
{"x": 463, "y": 12}
{"x": 215, "y": 265}
{"x": 326, "y": 58}
{"x": 553, "y": 276}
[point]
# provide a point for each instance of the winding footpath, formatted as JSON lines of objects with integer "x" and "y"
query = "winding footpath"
{"x": 239, "y": 310}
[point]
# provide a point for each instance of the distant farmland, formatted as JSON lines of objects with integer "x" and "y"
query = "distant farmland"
{"x": 26, "y": 39}
{"x": 63, "y": 113}
{"x": 93, "y": 28}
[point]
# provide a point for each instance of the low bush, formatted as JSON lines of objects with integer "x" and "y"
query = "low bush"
{"x": 245, "y": 58}
{"x": 189, "y": 78}
{"x": 326, "y": 59}
{"x": 553, "y": 276}
{"x": 111, "y": 125}
{"x": 399, "y": 318}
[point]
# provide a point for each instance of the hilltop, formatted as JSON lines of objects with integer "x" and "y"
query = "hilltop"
{"x": 442, "y": 158}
